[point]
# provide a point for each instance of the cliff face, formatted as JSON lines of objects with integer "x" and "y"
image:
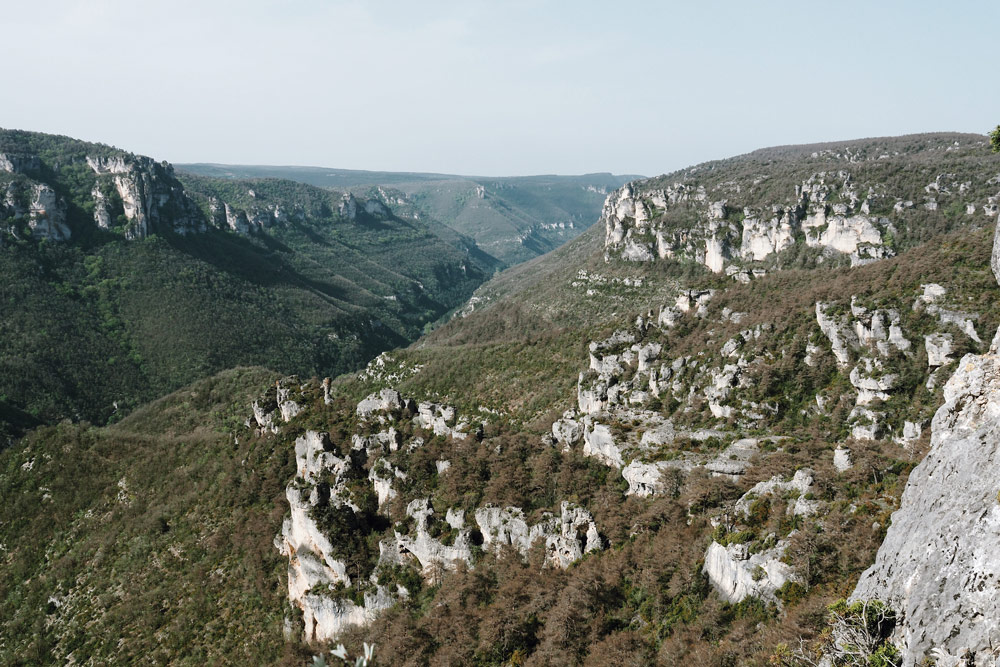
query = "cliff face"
{"x": 836, "y": 204}
{"x": 56, "y": 188}
{"x": 134, "y": 193}
{"x": 150, "y": 197}
{"x": 938, "y": 564}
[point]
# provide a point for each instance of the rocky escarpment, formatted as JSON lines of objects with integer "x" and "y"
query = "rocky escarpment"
{"x": 938, "y": 565}
{"x": 129, "y": 193}
{"x": 58, "y": 194}
{"x": 847, "y": 206}
{"x": 24, "y": 200}
{"x": 149, "y": 197}
{"x": 637, "y": 224}
{"x": 352, "y": 490}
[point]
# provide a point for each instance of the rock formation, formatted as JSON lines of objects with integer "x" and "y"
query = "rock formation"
{"x": 938, "y": 564}
{"x": 826, "y": 211}
{"x": 151, "y": 197}
{"x": 328, "y": 480}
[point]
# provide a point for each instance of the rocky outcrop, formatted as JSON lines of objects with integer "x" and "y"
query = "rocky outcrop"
{"x": 566, "y": 537}
{"x": 431, "y": 553}
{"x": 314, "y": 571}
{"x": 939, "y": 347}
{"x": 386, "y": 402}
{"x": 825, "y": 211}
{"x": 647, "y": 479}
{"x": 736, "y": 574}
{"x": 938, "y": 563}
{"x": 840, "y": 336}
{"x": 39, "y": 206}
{"x": 600, "y": 443}
{"x": 152, "y": 199}
{"x": 13, "y": 163}
{"x": 798, "y": 489}
{"x": 735, "y": 459}
{"x": 329, "y": 493}
{"x": 47, "y": 214}
{"x": 350, "y": 206}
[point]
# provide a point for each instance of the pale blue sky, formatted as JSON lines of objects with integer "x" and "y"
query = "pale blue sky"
{"x": 497, "y": 87}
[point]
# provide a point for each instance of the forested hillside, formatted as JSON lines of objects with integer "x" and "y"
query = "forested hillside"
{"x": 122, "y": 283}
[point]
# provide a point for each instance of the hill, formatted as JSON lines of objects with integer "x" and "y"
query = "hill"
{"x": 513, "y": 218}
{"x": 124, "y": 283}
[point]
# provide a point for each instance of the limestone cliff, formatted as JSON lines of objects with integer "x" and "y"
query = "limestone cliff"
{"x": 938, "y": 564}
{"x": 151, "y": 198}
{"x": 638, "y": 228}
{"x": 836, "y": 204}
{"x": 56, "y": 188}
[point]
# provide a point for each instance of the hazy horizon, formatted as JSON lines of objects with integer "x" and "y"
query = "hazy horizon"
{"x": 478, "y": 88}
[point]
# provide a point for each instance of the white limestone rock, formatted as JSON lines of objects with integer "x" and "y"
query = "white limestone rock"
{"x": 865, "y": 423}
{"x": 716, "y": 253}
{"x": 382, "y": 475}
{"x": 657, "y": 434}
{"x": 47, "y": 214}
{"x": 764, "y": 237}
{"x": 387, "y": 401}
{"x": 432, "y": 554}
{"x": 567, "y": 432}
{"x": 19, "y": 164}
{"x": 939, "y": 347}
{"x": 455, "y": 518}
{"x": 326, "y": 617}
{"x": 871, "y": 384}
{"x": 735, "y": 459}
{"x": 736, "y": 574}
{"x": 286, "y": 406}
{"x": 263, "y": 418}
{"x": 562, "y": 534}
{"x": 646, "y": 479}
{"x": 348, "y": 207}
{"x": 315, "y": 574}
{"x": 599, "y": 443}
{"x": 841, "y": 336}
{"x": 152, "y": 198}
{"x": 440, "y": 419}
{"x": 842, "y": 459}
{"x": 800, "y": 485}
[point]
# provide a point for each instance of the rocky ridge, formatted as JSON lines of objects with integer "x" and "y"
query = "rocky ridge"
{"x": 631, "y": 374}
{"x": 843, "y": 208}
{"x": 129, "y": 194}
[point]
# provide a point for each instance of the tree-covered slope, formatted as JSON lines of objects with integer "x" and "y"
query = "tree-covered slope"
{"x": 148, "y": 541}
{"x": 122, "y": 282}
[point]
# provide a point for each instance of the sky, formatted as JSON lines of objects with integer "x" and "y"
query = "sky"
{"x": 493, "y": 87}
